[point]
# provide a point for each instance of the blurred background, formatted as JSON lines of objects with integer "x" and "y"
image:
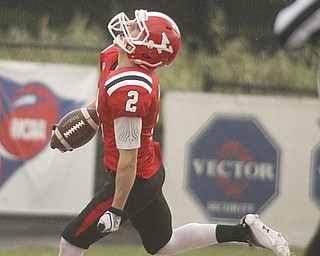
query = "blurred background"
{"x": 229, "y": 44}
{"x": 228, "y": 47}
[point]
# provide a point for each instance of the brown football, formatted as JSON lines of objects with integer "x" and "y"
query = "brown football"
{"x": 75, "y": 129}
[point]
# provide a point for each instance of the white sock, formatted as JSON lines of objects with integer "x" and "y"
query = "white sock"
{"x": 190, "y": 236}
{"x": 67, "y": 249}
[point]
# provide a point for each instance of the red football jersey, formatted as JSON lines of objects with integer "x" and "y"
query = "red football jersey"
{"x": 128, "y": 92}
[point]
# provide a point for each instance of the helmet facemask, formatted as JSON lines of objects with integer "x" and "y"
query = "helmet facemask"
{"x": 119, "y": 30}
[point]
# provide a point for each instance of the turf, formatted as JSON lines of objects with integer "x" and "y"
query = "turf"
{"x": 133, "y": 250}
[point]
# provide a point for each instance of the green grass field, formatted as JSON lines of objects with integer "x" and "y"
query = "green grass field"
{"x": 134, "y": 250}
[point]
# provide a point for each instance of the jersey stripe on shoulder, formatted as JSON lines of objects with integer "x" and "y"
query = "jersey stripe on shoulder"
{"x": 128, "y": 78}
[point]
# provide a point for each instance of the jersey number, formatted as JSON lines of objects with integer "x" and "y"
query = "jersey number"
{"x": 131, "y": 102}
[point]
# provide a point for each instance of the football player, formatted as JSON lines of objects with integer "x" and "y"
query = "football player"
{"x": 128, "y": 108}
{"x": 297, "y": 25}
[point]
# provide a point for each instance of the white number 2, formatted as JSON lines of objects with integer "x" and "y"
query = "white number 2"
{"x": 130, "y": 103}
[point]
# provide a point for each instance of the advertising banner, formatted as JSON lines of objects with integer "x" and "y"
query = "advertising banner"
{"x": 233, "y": 167}
{"x": 33, "y": 177}
{"x": 229, "y": 155}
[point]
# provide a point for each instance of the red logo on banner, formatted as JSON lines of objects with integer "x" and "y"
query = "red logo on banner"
{"x": 233, "y": 150}
{"x": 26, "y": 127}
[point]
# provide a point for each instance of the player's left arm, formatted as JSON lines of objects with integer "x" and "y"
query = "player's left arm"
{"x": 127, "y": 135}
{"x": 126, "y": 175}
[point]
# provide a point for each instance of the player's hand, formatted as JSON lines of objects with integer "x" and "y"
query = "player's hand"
{"x": 109, "y": 221}
{"x": 51, "y": 144}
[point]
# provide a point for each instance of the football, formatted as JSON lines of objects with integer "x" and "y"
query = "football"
{"x": 75, "y": 129}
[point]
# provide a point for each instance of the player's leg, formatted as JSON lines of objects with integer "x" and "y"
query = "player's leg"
{"x": 195, "y": 235}
{"x": 250, "y": 230}
{"x": 67, "y": 249}
{"x": 155, "y": 228}
{"x": 149, "y": 212}
{"x": 260, "y": 235}
{"x": 81, "y": 232}
{"x": 153, "y": 222}
{"x": 154, "y": 225}
{"x": 190, "y": 236}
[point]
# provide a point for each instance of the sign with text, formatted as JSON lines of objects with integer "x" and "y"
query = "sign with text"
{"x": 232, "y": 167}
{"x": 33, "y": 177}
{"x": 229, "y": 154}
